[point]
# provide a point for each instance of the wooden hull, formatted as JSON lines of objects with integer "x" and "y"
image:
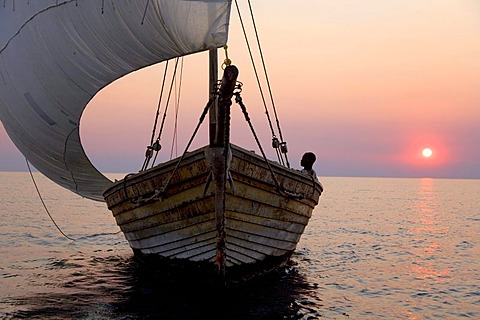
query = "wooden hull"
{"x": 261, "y": 225}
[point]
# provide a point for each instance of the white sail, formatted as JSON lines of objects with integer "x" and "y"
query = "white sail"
{"x": 56, "y": 55}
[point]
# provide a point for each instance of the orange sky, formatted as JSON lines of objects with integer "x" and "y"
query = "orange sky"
{"x": 366, "y": 85}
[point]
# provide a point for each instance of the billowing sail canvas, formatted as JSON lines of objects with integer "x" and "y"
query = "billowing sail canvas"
{"x": 56, "y": 55}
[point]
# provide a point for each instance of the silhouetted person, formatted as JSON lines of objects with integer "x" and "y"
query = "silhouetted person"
{"x": 308, "y": 159}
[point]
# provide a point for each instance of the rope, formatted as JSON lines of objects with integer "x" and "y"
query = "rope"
{"x": 150, "y": 147}
{"x": 166, "y": 108}
{"x": 159, "y": 103}
{"x": 239, "y": 100}
{"x": 268, "y": 82}
{"x": 281, "y": 190}
{"x": 200, "y": 121}
{"x": 46, "y": 208}
{"x": 156, "y": 146}
{"x": 177, "y": 107}
{"x": 255, "y": 69}
{"x": 168, "y": 100}
{"x": 280, "y": 147}
{"x": 43, "y": 202}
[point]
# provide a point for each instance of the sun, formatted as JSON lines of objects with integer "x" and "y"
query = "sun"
{"x": 427, "y": 152}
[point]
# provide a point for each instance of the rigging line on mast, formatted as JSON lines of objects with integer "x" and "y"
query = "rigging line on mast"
{"x": 283, "y": 150}
{"x": 255, "y": 69}
{"x": 177, "y": 107}
{"x": 168, "y": 99}
{"x": 280, "y": 189}
{"x": 166, "y": 108}
{"x": 239, "y": 101}
{"x": 43, "y": 202}
{"x": 155, "y": 146}
{"x": 200, "y": 121}
{"x": 159, "y": 104}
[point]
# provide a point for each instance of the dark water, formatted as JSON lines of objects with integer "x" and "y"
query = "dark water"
{"x": 375, "y": 248}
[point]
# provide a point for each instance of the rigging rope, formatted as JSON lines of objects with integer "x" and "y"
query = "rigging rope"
{"x": 177, "y": 107}
{"x": 43, "y": 202}
{"x": 160, "y": 193}
{"x": 155, "y": 146}
{"x": 48, "y": 211}
{"x": 280, "y": 189}
{"x": 200, "y": 121}
{"x": 280, "y": 147}
{"x": 254, "y": 68}
{"x": 159, "y": 104}
{"x": 239, "y": 101}
{"x": 268, "y": 85}
{"x": 166, "y": 108}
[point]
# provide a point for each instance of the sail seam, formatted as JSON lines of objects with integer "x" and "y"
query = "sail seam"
{"x": 64, "y": 157}
{"x": 1, "y": 73}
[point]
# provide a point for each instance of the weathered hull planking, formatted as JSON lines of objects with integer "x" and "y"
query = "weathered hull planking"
{"x": 178, "y": 224}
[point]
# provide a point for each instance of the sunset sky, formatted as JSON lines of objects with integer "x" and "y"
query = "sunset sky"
{"x": 365, "y": 85}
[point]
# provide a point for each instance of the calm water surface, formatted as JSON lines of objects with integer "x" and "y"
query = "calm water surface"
{"x": 375, "y": 248}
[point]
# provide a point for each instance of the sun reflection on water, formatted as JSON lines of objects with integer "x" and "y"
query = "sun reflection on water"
{"x": 428, "y": 250}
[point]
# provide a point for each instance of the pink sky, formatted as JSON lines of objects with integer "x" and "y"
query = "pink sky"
{"x": 366, "y": 85}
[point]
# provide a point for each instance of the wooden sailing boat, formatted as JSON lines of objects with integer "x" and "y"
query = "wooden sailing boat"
{"x": 220, "y": 209}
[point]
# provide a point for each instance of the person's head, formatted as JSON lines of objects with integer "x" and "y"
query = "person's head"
{"x": 308, "y": 159}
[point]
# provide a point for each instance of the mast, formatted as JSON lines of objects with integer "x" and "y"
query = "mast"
{"x": 218, "y": 154}
{"x": 213, "y": 73}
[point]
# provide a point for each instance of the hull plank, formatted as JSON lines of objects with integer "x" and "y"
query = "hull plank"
{"x": 173, "y": 237}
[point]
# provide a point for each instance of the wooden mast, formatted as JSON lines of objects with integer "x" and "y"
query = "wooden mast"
{"x": 218, "y": 154}
{"x": 213, "y": 74}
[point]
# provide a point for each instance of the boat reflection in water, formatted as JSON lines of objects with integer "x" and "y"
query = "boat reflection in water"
{"x": 122, "y": 288}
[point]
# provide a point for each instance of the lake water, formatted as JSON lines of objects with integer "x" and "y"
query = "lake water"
{"x": 375, "y": 248}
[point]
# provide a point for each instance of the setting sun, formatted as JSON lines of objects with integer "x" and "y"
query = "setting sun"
{"x": 427, "y": 152}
